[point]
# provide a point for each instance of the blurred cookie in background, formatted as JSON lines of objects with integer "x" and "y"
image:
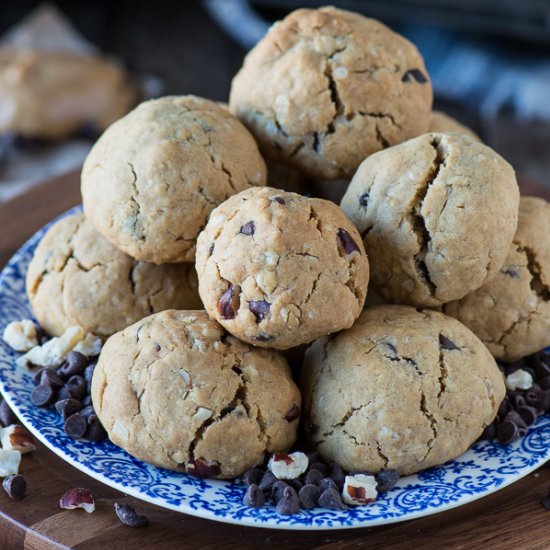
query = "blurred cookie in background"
{"x": 441, "y": 122}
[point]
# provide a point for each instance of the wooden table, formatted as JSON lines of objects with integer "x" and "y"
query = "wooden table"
{"x": 512, "y": 518}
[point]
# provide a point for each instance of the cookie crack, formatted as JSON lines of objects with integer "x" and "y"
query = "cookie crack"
{"x": 136, "y": 226}
{"x": 384, "y": 458}
{"x": 538, "y": 287}
{"x": 431, "y": 419}
{"x": 443, "y": 372}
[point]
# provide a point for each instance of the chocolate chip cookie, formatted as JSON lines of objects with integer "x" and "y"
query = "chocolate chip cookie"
{"x": 177, "y": 391}
{"x": 437, "y": 214}
{"x": 511, "y": 312}
{"x": 152, "y": 179}
{"x": 76, "y": 277}
{"x": 401, "y": 389}
{"x": 442, "y": 123}
{"x": 325, "y": 88}
{"x": 277, "y": 269}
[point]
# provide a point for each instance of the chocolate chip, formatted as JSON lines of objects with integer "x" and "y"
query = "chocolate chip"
{"x": 16, "y": 486}
{"x": 43, "y": 395}
{"x": 490, "y": 431}
{"x": 253, "y": 476}
{"x": 64, "y": 393}
{"x": 545, "y": 400}
{"x": 86, "y": 401}
{"x": 321, "y": 467}
{"x": 128, "y": 516}
{"x": 7, "y": 418}
{"x": 260, "y": 309}
{"x": 386, "y": 480}
{"x": 528, "y": 415}
{"x": 50, "y": 378}
{"x": 229, "y": 303}
{"x": 254, "y": 496}
{"x": 248, "y": 228}
{"x": 75, "y": 426}
{"x": 507, "y": 432}
{"x": 296, "y": 484}
{"x": 211, "y": 250}
{"x": 89, "y": 371}
{"x": 200, "y": 467}
{"x": 414, "y": 75}
{"x": 511, "y": 271}
{"x": 517, "y": 400}
{"x": 37, "y": 376}
{"x": 88, "y": 411}
{"x": 364, "y": 199}
{"x": 330, "y": 498}
{"x": 504, "y": 407}
{"x": 76, "y": 385}
{"x": 293, "y": 413}
{"x": 289, "y": 504}
{"x": 515, "y": 418}
{"x": 313, "y": 457}
{"x": 312, "y": 428}
{"x": 277, "y": 490}
{"x": 346, "y": 242}
{"x": 157, "y": 347}
{"x": 237, "y": 370}
{"x": 447, "y": 344}
{"x": 76, "y": 363}
{"x": 267, "y": 482}
{"x": 533, "y": 399}
{"x": 327, "y": 483}
{"x": 313, "y": 477}
{"x": 262, "y": 338}
{"x": 544, "y": 383}
{"x": 309, "y": 496}
{"x": 337, "y": 475}
{"x": 67, "y": 407}
{"x": 279, "y": 200}
{"x": 95, "y": 431}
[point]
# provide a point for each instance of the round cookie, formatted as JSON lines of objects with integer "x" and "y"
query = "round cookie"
{"x": 325, "y": 88}
{"x": 53, "y": 95}
{"x": 176, "y": 391}
{"x": 437, "y": 215}
{"x": 402, "y": 389}
{"x": 511, "y": 312}
{"x": 277, "y": 269}
{"x": 76, "y": 277}
{"x": 152, "y": 179}
{"x": 442, "y": 123}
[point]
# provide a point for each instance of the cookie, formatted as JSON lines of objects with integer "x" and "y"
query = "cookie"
{"x": 277, "y": 269}
{"x": 437, "y": 214}
{"x": 402, "y": 389}
{"x": 511, "y": 312}
{"x": 441, "y": 122}
{"x": 53, "y": 95}
{"x": 176, "y": 391}
{"x": 152, "y": 179}
{"x": 76, "y": 277}
{"x": 325, "y": 88}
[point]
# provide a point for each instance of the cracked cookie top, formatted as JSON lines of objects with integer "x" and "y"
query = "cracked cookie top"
{"x": 152, "y": 179}
{"x": 177, "y": 391}
{"x": 325, "y": 88}
{"x": 443, "y": 123}
{"x": 511, "y": 312}
{"x": 401, "y": 389}
{"x": 277, "y": 269}
{"x": 437, "y": 215}
{"x": 76, "y": 277}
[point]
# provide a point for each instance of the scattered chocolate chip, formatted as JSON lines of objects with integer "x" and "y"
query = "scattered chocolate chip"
{"x": 89, "y": 371}
{"x": 446, "y": 343}
{"x": 86, "y": 412}
{"x": 309, "y": 496}
{"x": 515, "y": 418}
{"x": 533, "y": 398}
{"x": 229, "y": 303}
{"x": 67, "y": 407}
{"x": 490, "y": 431}
{"x": 64, "y": 393}
{"x": 95, "y": 431}
{"x": 507, "y": 432}
{"x": 87, "y": 400}
{"x": 337, "y": 475}
{"x": 293, "y": 413}
{"x": 346, "y": 244}
{"x": 157, "y": 347}
{"x": 248, "y": 228}
{"x": 277, "y": 490}
{"x": 313, "y": 477}
{"x": 313, "y": 457}
{"x": 254, "y": 496}
{"x": 414, "y": 75}
{"x": 7, "y": 418}
{"x": 76, "y": 385}
{"x": 330, "y": 498}
{"x": 327, "y": 483}
{"x": 38, "y": 375}
{"x": 16, "y": 486}
{"x": 43, "y": 395}
{"x": 203, "y": 468}
{"x": 511, "y": 271}
{"x": 296, "y": 484}
{"x": 128, "y": 516}
{"x": 260, "y": 309}
{"x": 386, "y": 480}
{"x": 312, "y": 428}
{"x": 321, "y": 467}
{"x": 364, "y": 199}
{"x": 504, "y": 407}
{"x": 267, "y": 482}
{"x": 289, "y": 503}
{"x": 262, "y": 338}
{"x": 75, "y": 426}
{"x": 50, "y": 378}
{"x": 253, "y": 476}
{"x": 76, "y": 363}
{"x": 545, "y": 382}
{"x": 279, "y": 200}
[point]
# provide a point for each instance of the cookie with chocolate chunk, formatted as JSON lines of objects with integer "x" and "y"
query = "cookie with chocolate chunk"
{"x": 277, "y": 269}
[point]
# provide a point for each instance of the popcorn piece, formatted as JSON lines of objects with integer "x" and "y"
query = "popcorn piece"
{"x": 21, "y": 335}
{"x": 359, "y": 489}
{"x": 288, "y": 466}
{"x": 17, "y": 438}
{"x": 90, "y": 345}
{"x": 519, "y": 380}
{"x": 9, "y": 462}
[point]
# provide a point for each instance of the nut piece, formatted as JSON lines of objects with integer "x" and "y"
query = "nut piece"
{"x": 9, "y": 462}
{"x": 17, "y": 438}
{"x": 21, "y": 335}
{"x": 78, "y": 497}
{"x": 519, "y": 380}
{"x": 127, "y": 515}
{"x": 288, "y": 466}
{"x": 203, "y": 468}
{"x": 359, "y": 489}
{"x": 15, "y": 486}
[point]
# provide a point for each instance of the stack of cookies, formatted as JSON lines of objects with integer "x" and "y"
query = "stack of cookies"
{"x": 430, "y": 216}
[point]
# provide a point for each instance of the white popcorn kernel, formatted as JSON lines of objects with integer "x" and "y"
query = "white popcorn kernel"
{"x": 202, "y": 414}
{"x": 359, "y": 489}
{"x": 288, "y": 466}
{"x": 90, "y": 345}
{"x": 21, "y": 335}
{"x": 9, "y": 462}
{"x": 16, "y": 438}
{"x": 519, "y": 380}
{"x": 339, "y": 73}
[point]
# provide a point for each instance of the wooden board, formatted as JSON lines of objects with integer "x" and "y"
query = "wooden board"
{"x": 510, "y": 519}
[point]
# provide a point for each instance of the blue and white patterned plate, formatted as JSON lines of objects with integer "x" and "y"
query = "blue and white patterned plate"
{"x": 485, "y": 468}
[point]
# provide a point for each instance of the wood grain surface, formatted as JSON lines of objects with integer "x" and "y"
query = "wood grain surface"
{"x": 511, "y": 519}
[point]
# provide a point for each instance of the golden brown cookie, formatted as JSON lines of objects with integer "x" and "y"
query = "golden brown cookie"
{"x": 511, "y": 312}
{"x": 154, "y": 176}
{"x": 437, "y": 214}
{"x": 443, "y": 123}
{"x": 76, "y": 277}
{"x": 176, "y": 391}
{"x": 277, "y": 269}
{"x": 401, "y": 389}
{"x": 325, "y": 88}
